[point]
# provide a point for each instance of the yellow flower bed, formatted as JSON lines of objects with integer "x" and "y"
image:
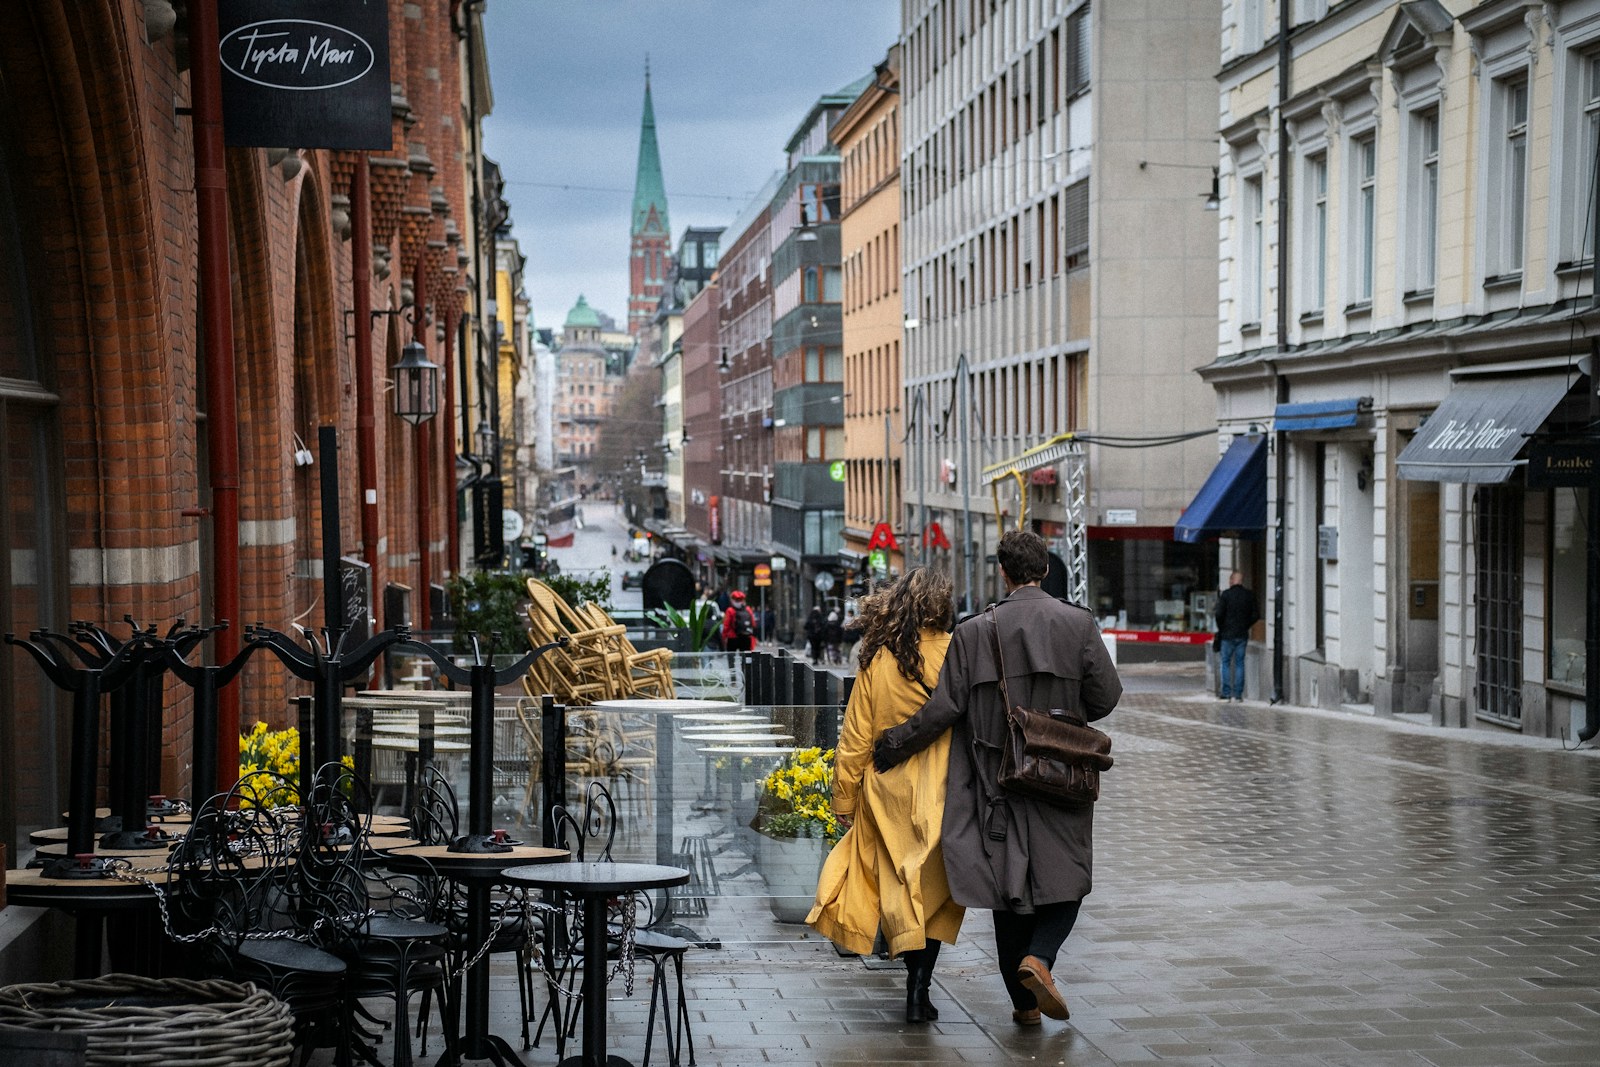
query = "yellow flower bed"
{"x": 796, "y": 798}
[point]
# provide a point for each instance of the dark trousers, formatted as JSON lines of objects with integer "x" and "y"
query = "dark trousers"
{"x": 1040, "y": 934}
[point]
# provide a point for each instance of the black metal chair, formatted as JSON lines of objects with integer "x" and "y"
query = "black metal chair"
{"x": 230, "y": 897}
{"x": 592, "y": 836}
{"x": 378, "y": 922}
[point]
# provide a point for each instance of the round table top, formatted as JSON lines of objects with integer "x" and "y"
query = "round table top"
{"x": 409, "y": 744}
{"x": 488, "y": 865}
{"x": 597, "y": 879}
{"x": 411, "y": 729}
{"x": 738, "y": 738}
{"x": 32, "y": 888}
{"x": 658, "y": 706}
{"x": 58, "y": 849}
{"x": 390, "y": 842}
{"x": 750, "y": 750}
{"x": 720, "y": 716}
{"x": 388, "y": 821}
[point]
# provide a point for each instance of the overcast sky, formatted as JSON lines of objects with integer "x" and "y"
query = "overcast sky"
{"x": 731, "y": 79}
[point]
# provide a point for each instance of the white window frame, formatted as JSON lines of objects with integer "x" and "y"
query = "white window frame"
{"x": 1422, "y": 199}
{"x": 1361, "y": 214}
{"x": 1506, "y": 210}
{"x": 1252, "y": 248}
{"x": 1314, "y": 230}
{"x": 1252, "y": 25}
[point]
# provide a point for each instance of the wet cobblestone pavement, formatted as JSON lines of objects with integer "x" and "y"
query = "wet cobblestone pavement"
{"x": 1273, "y": 886}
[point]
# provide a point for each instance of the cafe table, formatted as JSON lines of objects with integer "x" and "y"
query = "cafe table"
{"x": 594, "y": 884}
{"x": 93, "y": 903}
{"x": 477, "y": 873}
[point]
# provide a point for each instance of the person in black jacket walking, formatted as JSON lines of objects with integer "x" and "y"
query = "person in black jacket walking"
{"x": 1237, "y": 611}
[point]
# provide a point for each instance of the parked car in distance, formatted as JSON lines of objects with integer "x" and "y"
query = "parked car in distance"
{"x": 632, "y": 579}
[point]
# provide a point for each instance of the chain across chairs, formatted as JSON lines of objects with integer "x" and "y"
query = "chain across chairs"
{"x": 590, "y": 835}
{"x": 230, "y": 897}
{"x": 382, "y": 925}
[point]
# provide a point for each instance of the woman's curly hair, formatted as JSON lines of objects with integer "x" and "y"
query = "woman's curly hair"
{"x": 894, "y": 617}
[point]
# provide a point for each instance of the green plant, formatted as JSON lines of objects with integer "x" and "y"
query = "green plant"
{"x": 700, "y": 621}
{"x": 575, "y": 590}
{"x": 489, "y": 602}
{"x": 269, "y": 765}
{"x": 796, "y": 798}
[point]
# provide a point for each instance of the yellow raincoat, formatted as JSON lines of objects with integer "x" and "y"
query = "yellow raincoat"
{"x": 888, "y": 868}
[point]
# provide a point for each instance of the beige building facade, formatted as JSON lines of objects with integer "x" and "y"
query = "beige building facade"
{"x": 1405, "y": 263}
{"x": 1058, "y": 289}
{"x": 868, "y": 136}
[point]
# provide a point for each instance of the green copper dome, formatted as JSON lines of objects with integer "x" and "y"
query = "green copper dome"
{"x": 582, "y": 315}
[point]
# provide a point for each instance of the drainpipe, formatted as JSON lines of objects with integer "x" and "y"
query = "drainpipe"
{"x": 366, "y": 433}
{"x": 1591, "y": 627}
{"x": 446, "y": 372}
{"x": 216, "y": 329}
{"x": 424, "y": 462}
{"x": 1280, "y": 384}
{"x": 1591, "y": 621}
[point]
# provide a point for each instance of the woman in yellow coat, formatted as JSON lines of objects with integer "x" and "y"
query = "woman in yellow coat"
{"x": 888, "y": 870}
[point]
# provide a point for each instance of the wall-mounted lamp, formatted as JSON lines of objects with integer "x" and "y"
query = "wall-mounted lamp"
{"x": 1213, "y": 199}
{"x": 416, "y": 385}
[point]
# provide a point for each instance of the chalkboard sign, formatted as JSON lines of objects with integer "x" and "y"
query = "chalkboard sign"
{"x": 355, "y": 583}
{"x": 305, "y": 73}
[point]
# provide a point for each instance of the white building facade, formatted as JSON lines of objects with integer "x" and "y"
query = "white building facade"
{"x": 1407, "y": 209}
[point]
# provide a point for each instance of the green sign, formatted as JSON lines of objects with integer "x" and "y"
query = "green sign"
{"x": 878, "y": 560}
{"x": 836, "y": 470}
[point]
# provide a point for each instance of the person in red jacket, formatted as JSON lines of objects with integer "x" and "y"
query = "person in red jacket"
{"x": 738, "y": 625}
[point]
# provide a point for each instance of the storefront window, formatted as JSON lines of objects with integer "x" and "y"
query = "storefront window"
{"x": 1569, "y": 582}
{"x": 1152, "y": 585}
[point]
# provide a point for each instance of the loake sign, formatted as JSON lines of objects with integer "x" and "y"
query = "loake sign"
{"x": 305, "y": 73}
{"x": 1559, "y": 464}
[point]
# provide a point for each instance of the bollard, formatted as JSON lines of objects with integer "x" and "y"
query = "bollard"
{"x": 781, "y": 695}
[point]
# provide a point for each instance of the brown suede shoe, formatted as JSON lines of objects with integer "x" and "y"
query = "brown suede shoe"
{"x": 1035, "y": 978}
{"x": 1025, "y": 1016}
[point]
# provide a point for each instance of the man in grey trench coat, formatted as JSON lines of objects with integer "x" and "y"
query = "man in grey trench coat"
{"x": 1027, "y": 861}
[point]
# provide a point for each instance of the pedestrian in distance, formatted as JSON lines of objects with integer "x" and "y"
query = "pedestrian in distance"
{"x": 833, "y": 637}
{"x": 813, "y": 632}
{"x": 1029, "y": 861}
{"x": 888, "y": 871}
{"x": 738, "y": 624}
{"x": 1237, "y": 611}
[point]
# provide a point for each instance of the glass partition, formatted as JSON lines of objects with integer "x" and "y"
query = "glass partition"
{"x": 691, "y": 786}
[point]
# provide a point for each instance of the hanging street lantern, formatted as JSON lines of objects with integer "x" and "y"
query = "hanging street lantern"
{"x": 416, "y": 385}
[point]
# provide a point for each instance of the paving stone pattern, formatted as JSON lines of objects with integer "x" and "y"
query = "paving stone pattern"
{"x": 1273, "y": 887}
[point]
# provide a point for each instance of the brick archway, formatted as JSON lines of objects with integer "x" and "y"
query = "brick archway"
{"x": 82, "y": 131}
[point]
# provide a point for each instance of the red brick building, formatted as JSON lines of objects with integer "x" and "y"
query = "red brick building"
{"x": 104, "y": 504}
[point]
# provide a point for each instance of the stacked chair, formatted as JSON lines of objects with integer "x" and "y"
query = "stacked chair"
{"x": 292, "y": 899}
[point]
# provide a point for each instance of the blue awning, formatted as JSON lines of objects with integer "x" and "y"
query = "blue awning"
{"x": 1233, "y": 502}
{"x": 1321, "y": 414}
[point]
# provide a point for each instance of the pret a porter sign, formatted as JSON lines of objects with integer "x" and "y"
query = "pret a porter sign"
{"x": 305, "y": 73}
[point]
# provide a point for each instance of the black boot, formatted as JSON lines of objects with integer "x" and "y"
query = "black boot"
{"x": 919, "y": 976}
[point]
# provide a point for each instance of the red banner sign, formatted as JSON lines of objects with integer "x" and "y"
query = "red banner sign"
{"x": 933, "y": 537}
{"x": 882, "y": 537}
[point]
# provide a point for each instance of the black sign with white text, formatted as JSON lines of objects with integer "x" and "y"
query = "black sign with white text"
{"x": 305, "y": 73}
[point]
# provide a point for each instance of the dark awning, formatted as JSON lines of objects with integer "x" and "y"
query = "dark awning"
{"x": 1233, "y": 502}
{"x": 1321, "y": 414}
{"x": 1476, "y": 434}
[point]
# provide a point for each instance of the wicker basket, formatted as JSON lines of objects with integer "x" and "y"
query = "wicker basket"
{"x": 158, "y": 1022}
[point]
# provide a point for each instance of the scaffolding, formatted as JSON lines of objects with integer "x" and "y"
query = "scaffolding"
{"x": 1065, "y": 453}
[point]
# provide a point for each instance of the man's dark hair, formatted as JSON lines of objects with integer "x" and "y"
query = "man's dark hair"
{"x": 1023, "y": 556}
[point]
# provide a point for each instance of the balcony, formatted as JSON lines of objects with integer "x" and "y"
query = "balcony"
{"x": 809, "y": 485}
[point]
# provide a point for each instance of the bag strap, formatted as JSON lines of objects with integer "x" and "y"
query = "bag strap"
{"x": 999, "y": 654}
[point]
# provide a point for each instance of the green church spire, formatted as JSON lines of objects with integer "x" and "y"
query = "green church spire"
{"x": 648, "y": 189}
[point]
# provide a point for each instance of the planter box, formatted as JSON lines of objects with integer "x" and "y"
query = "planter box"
{"x": 790, "y": 866}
